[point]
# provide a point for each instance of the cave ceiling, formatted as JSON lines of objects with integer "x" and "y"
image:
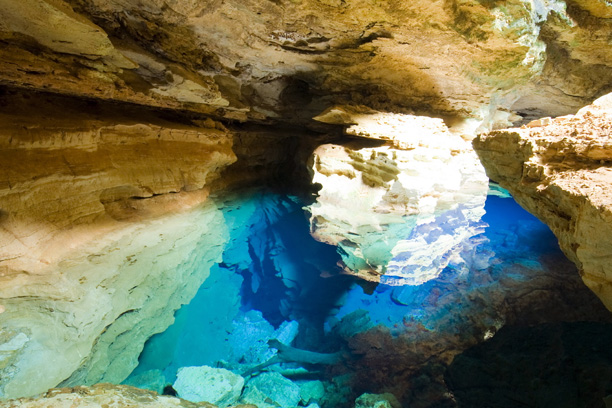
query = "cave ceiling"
{"x": 269, "y": 61}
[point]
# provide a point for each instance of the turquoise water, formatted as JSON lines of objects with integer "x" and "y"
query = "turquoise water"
{"x": 276, "y": 283}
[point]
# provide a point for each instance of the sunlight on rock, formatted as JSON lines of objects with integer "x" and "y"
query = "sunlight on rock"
{"x": 397, "y": 212}
{"x": 92, "y": 322}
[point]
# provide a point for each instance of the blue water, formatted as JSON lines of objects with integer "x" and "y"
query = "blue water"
{"x": 276, "y": 282}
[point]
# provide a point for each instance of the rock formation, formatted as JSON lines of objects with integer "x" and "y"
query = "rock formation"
{"x": 81, "y": 241}
{"x": 559, "y": 170}
{"x": 396, "y": 211}
{"x": 120, "y": 118}
{"x": 290, "y": 60}
{"x": 102, "y": 395}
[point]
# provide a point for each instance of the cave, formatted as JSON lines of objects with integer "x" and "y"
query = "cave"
{"x": 305, "y": 203}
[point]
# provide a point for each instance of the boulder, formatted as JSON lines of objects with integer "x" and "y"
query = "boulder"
{"x": 273, "y": 388}
{"x": 214, "y": 385}
{"x": 312, "y": 391}
{"x": 385, "y": 400}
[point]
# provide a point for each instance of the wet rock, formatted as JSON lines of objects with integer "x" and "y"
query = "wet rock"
{"x": 377, "y": 401}
{"x": 214, "y": 385}
{"x": 274, "y": 389}
{"x": 153, "y": 380}
{"x": 311, "y": 391}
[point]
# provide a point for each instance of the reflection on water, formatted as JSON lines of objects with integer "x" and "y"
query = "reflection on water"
{"x": 279, "y": 311}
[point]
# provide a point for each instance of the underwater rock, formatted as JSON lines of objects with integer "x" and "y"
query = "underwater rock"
{"x": 153, "y": 380}
{"x": 311, "y": 391}
{"x": 264, "y": 227}
{"x": 393, "y": 209}
{"x": 273, "y": 389}
{"x": 238, "y": 339}
{"x": 401, "y": 339}
{"x": 101, "y": 395}
{"x": 214, "y": 385}
{"x": 561, "y": 172}
{"x": 386, "y": 400}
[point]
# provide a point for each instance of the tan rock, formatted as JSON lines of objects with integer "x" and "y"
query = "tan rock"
{"x": 561, "y": 173}
{"x": 102, "y": 395}
{"x": 259, "y": 60}
{"x": 97, "y": 214}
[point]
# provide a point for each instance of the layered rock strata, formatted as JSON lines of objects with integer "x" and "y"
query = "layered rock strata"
{"x": 262, "y": 61}
{"x": 397, "y": 212}
{"x": 559, "y": 169}
{"x": 93, "y": 222}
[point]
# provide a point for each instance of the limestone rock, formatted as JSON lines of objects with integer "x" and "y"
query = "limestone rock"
{"x": 561, "y": 173}
{"x": 272, "y": 388}
{"x": 377, "y": 401}
{"x": 258, "y": 61}
{"x": 101, "y": 395}
{"x": 208, "y": 384}
{"x": 88, "y": 315}
{"x": 93, "y": 203}
{"x": 372, "y": 199}
{"x": 312, "y": 391}
{"x": 68, "y": 175}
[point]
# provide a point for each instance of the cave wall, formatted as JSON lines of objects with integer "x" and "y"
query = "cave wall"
{"x": 107, "y": 228}
{"x": 559, "y": 170}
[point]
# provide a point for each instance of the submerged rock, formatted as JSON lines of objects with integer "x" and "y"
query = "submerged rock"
{"x": 273, "y": 389}
{"x": 311, "y": 391}
{"x": 386, "y": 400}
{"x": 567, "y": 365}
{"x": 403, "y": 338}
{"x": 153, "y": 380}
{"x": 215, "y": 385}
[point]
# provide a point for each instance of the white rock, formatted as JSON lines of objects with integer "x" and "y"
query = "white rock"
{"x": 372, "y": 198}
{"x": 214, "y": 385}
{"x": 276, "y": 389}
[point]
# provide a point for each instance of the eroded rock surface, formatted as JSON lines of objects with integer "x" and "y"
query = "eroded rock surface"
{"x": 87, "y": 316}
{"x": 559, "y": 169}
{"x": 91, "y": 204}
{"x": 261, "y": 60}
{"x": 102, "y": 395}
{"x": 396, "y": 211}
{"x": 95, "y": 218}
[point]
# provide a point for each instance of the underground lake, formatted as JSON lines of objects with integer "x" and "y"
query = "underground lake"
{"x": 505, "y": 316}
